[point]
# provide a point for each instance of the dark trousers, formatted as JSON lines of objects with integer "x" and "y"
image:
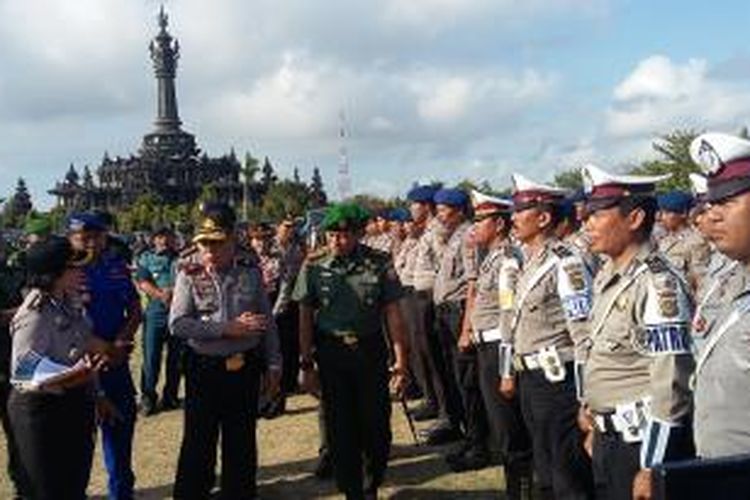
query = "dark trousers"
{"x": 453, "y": 367}
{"x": 615, "y": 462}
{"x": 420, "y": 314}
{"x": 117, "y": 435}
{"x": 55, "y": 439}
{"x": 155, "y": 336}
{"x": 219, "y": 401}
{"x": 16, "y": 472}
{"x": 357, "y": 409}
{"x": 287, "y": 324}
{"x": 550, "y": 412}
{"x": 510, "y": 442}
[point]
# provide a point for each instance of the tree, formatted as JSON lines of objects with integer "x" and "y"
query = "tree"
{"x": 673, "y": 150}
{"x": 569, "y": 179}
{"x": 318, "y": 197}
{"x": 284, "y": 198}
{"x": 249, "y": 194}
{"x": 18, "y": 206}
{"x": 268, "y": 176}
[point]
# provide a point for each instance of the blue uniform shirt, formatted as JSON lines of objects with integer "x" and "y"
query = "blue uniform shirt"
{"x": 110, "y": 292}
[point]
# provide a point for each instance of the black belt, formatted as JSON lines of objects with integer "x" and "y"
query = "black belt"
{"x": 229, "y": 362}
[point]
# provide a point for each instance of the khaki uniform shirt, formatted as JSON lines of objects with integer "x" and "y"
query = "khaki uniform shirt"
{"x": 405, "y": 260}
{"x": 688, "y": 251}
{"x": 495, "y": 289}
{"x": 722, "y": 375}
{"x": 552, "y": 302}
{"x": 456, "y": 266}
{"x": 384, "y": 242}
{"x": 349, "y": 292}
{"x": 204, "y": 301}
{"x": 639, "y": 354}
{"x": 429, "y": 252}
{"x": 44, "y": 328}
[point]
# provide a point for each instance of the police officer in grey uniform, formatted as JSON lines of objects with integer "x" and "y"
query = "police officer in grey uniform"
{"x": 550, "y": 313}
{"x": 53, "y": 420}
{"x": 638, "y": 358}
{"x": 220, "y": 307}
{"x": 722, "y": 401}
{"x": 490, "y": 314}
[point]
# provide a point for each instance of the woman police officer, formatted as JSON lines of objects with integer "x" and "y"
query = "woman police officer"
{"x": 53, "y": 421}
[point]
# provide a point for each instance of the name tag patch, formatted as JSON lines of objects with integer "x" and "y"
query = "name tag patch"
{"x": 577, "y": 306}
{"x": 667, "y": 339}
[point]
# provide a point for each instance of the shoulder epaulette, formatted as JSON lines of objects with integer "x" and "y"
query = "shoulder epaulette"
{"x": 657, "y": 263}
{"x": 187, "y": 252}
{"x": 562, "y": 250}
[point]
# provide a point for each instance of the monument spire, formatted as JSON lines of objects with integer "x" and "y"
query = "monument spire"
{"x": 165, "y": 51}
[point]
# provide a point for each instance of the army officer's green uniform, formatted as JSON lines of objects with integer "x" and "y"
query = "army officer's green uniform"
{"x": 348, "y": 294}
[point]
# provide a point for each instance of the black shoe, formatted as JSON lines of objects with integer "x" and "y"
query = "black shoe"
{"x": 457, "y": 451}
{"x": 148, "y": 407}
{"x": 424, "y": 412}
{"x": 169, "y": 404}
{"x": 324, "y": 469}
{"x": 473, "y": 459}
{"x": 441, "y": 433}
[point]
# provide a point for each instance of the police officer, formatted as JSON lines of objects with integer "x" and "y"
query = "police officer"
{"x": 491, "y": 314}
{"x": 419, "y": 273}
{"x": 11, "y": 281}
{"x": 220, "y": 307}
{"x": 155, "y": 276}
{"x": 343, "y": 296}
{"x": 550, "y": 313}
{"x": 287, "y": 247}
{"x": 721, "y": 377}
{"x": 638, "y": 357}
{"x": 113, "y": 305}
{"x": 53, "y": 420}
{"x": 685, "y": 247}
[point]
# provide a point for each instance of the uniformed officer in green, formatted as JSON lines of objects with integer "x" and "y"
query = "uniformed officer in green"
{"x": 344, "y": 294}
{"x": 155, "y": 277}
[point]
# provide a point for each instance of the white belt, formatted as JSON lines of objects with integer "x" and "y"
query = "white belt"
{"x": 531, "y": 361}
{"x": 487, "y": 336}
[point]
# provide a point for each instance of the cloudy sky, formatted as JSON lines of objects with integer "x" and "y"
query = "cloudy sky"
{"x": 431, "y": 89}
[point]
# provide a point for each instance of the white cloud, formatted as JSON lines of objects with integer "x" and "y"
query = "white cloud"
{"x": 661, "y": 94}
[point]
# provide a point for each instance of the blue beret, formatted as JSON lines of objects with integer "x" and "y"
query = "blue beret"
{"x": 85, "y": 222}
{"x": 451, "y": 197}
{"x": 423, "y": 194}
{"x": 400, "y": 215}
{"x": 675, "y": 201}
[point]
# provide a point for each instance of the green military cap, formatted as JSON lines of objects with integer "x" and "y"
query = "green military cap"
{"x": 39, "y": 225}
{"x": 345, "y": 217}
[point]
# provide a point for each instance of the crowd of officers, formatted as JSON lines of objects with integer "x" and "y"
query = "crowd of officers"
{"x": 578, "y": 340}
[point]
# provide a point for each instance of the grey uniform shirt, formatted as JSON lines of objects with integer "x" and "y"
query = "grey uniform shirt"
{"x": 456, "y": 266}
{"x": 688, "y": 251}
{"x": 553, "y": 300}
{"x": 429, "y": 252}
{"x": 722, "y": 377}
{"x": 204, "y": 301}
{"x": 495, "y": 288}
{"x": 640, "y": 338}
{"x": 405, "y": 260}
{"x": 289, "y": 267}
{"x": 49, "y": 328}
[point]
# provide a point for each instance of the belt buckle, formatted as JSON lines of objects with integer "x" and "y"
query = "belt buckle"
{"x": 235, "y": 362}
{"x": 350, "y": 340}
